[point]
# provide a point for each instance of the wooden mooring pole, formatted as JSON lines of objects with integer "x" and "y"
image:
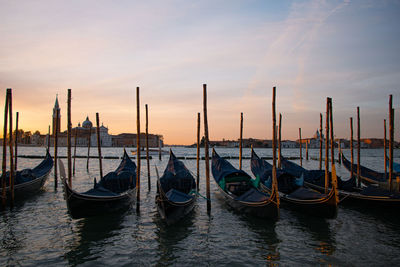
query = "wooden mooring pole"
{"x": 56, "y": 148}
{"x": 280, "y": 141}
{"x": 10, "y": 143}
{"x": 48, "y": 139}
{"x": 198, "y": 153}
{"x": 351, "y": 147}
{"x": 241, "y": 140}
{"x": 76, "y": 137}
{"x": 274, "y": 177}
{"x": 16, "y": 142}
{"x": 99, "y": 144}
{"x": 88, "y": 149}
{"x": 331, "y": 129}
{"x": 327, "y": 146}
{"x": 301, "y": 157}
{"x": 384, "y": 147}
{"x": 206, "y": 154}
{"x": 137, "y": 151}
{"x": 358, "y": 148}
{"x": 320, "y": 141}
{"x": 69, "y": 126}
{"x": 4, "y": 161}
{"x": 159, "y": 149}
{"x": 147, "y": 148}
{"x": 391, "y": 124}
{"x": 306, "y": 149}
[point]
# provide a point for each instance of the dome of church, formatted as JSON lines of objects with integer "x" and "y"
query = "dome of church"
{"x": 87, "y": 123}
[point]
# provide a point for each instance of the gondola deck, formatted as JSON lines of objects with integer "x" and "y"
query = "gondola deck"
{"x": 175, "y": 191}
{"x": 265, "y": 205}
{"x": 297, "y": 197}
{"x": 104, "y": 201}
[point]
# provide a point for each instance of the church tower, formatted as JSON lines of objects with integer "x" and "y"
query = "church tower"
{"x": 55, "y": 118}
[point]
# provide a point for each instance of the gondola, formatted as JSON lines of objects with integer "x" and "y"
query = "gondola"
{"x": 370, "y": 196}
{"x": 176, "y": 193}
{"x": 367, "y": 175}
{"x": 29, "y": 181}
{"x": 114, "y": 192}
{"x": 241, "y": 192}
{"x": 292, "y": 192}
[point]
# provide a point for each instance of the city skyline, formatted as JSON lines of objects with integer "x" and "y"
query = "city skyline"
{"x": 309, "y": 50}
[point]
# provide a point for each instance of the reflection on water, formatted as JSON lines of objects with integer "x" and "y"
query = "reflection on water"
{"x": 93, "y": 234}
{"x": 10, "y": 242}
{"x": 169, "y": 237}
{"x": 266, "y": 240}
{"x": 39, "y": 231}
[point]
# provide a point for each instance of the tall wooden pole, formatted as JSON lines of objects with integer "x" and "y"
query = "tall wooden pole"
{"x": 327, "y": 146}
{"x": 76, "y": 137}
{"x": 69, "y": 126}
{"x": 351, "y": 147}
{"x": 332, "y": 136}
{"x": 198, "y": 152}
{"x": 358, "y": 147}
{"x": 241, "y": 140}
{"x": 306, "y": 149}
{"x": 99, "y": 144}
{"x": 391, "y": 124}
{"x": 147, "y": 148}
{"x": 301, "y": 156}
{"x": 384, "y": 147}
{"x": 206, "y": 147}
{"x": 4, "y": 162}
{"x": 48, "y": 139}
{"x": 12, "y": 178}
{"x": 137, "y": 151}
{"x": 56, "y": 148}
{"x": 159, "y": 149}
{"x": 320, "y": 141}
{"x": 274, "y": 178}
{"x": 279, "y": 141}
{"x": 16, "y": 142}
{"x": 88, "y": 149}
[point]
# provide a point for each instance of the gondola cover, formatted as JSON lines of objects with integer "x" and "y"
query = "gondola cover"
{"x": 177, "y": 181}
{"x": 27, "y": 175}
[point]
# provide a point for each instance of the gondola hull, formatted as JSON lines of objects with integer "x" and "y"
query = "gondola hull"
{"x": 267, "y": 209}
{"x": 81, "y": 205}
{"x": 324, "y": 207}
{"x": 27, "y": 189}
{"x": 367, "y": 175}
{"x": 357, "y": 199}
{"x": 172, "y": 212}
{"x": 175, "y": 191}
{"x": 304, "y": 200}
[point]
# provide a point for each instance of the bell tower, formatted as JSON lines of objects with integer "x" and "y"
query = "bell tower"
{"x": 55, "y": 118}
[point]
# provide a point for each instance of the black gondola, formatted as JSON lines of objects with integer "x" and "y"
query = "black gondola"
{"x": 176, "y": 193}
{"x": 241, "y": 192}
{"x": 367, "y": 175}
{"x": 293, "y": 193}
{"x": 29, "y": 181}
{"x": 115, "y": 192}
{"x": 369, "y": 196}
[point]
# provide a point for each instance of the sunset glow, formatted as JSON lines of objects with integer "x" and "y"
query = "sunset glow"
{"x": 103, "y": 50}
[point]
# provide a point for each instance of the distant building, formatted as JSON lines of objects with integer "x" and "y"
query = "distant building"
{"x": 289, "y": 144}
{"x": 56, "y": 117}
{"x": 313, "y": 142}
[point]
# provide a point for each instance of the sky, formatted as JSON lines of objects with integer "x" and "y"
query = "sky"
{"x": 103, "y": 50}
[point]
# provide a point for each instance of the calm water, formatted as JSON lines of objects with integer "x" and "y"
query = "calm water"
{"x": 39, "y": 230}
